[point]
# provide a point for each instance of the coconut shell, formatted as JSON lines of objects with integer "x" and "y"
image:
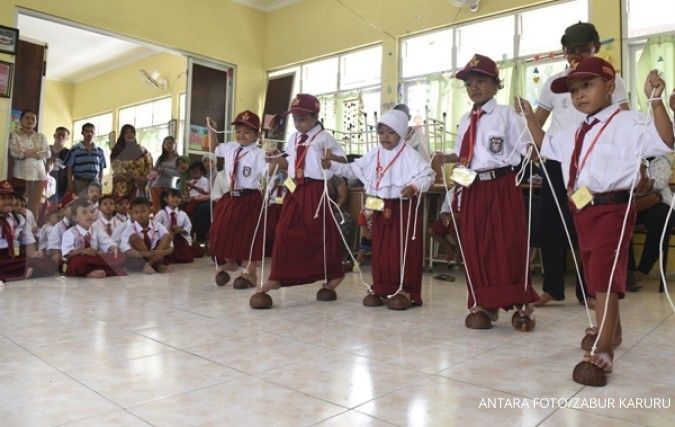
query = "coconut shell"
{"x": 325, "y": 294}
{"x": 477, "y": 320}
{"x": 372, "y": 300}
{"x": 523, "y": 322}
{"x": 242, "y": 282}
{"x": 260, "y": 301}
{"x": 222, "y": 278}
{"x": 398, "y": 302}
{"x": 587, "y": 373}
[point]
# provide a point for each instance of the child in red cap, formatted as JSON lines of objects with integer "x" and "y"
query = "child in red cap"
{"x": 232, "y": 236}
{"x": 301, "y": 235}
{"x": 491, "y": 217}
{"x": 599, "y": 168}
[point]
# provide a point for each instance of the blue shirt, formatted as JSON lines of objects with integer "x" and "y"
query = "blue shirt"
{"x": 86, "y": 165}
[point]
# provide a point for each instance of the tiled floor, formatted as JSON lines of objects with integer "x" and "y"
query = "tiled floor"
{"x": 177, "y": 350}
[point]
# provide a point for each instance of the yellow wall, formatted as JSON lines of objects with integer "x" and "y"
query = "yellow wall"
{"x": 216, "y": 29}
{"x": 57, "y": 107}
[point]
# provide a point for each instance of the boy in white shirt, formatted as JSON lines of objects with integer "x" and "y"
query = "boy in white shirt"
{"x": 89, "y": 251}
{"x": 177, "y": 222}
{"x": 52, "y": 216}
{"x": 199, "y": 188}
{"x": 145, "y": 242}
{"x": 107, "y": 221}
{"x": 599, "y": 167}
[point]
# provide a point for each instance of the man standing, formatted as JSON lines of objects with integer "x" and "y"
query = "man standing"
{"x": 85, "y": 162}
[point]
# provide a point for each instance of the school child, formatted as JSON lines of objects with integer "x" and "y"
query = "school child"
{"x": 183, "y": 168}
{"x": 579, "y": 41}
{"x": 301, "y": 240}
{"x": 491, "y": 218}
{"x": 145, "y": 242}
{"x": 19, "y": 256}
{"x": 178, "y": 224}
{"x": 24, "y": 214}
{"x": 443, "y": 231}
{"x": 109, "y": 223}
{"x": 122, "y": 204}
{"x": 93, "y": 195}
{"x": 394, "y": 175}
{"x": 598, "y": 160}
{"x": 52, "y": 217}
{"x": 198, "y": 188}
{"x": 233, "y": 235}
{"x": 56, "y": 233}
{"x": 89, "y": 251}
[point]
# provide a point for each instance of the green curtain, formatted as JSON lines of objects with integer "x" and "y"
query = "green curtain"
{"x": 659, "y": 54}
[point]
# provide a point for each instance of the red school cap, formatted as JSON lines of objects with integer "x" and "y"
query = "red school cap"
{"x": 304, "y": 103}
{"x": 249, "y": 119}
{"x": 479, "y": 64}
{"x": 587, "y": 68}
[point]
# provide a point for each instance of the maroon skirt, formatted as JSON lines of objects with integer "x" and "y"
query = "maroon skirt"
{"x": 494, "y": 238}
{"x": 273, "y": 214}
{"x": 182, "y": 253}
{"x": 81, "y": 265}
{"x": 598, "y": 231}
{"x": 387, "y": 250}
{"x": 11, "y": 268}
{"x": 233, "y": 228}
{"x": 298, "y": 254}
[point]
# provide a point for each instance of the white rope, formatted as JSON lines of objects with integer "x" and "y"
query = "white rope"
{"x": 528, "y": 160}
{"x": 268, "y": 190}
{"x": 211, "y": 179}
{"x": 257, "y": 225}
{"x": 560, "y": 213}
{"x": 403, "y": 248}
{"x": 664, "y": 261}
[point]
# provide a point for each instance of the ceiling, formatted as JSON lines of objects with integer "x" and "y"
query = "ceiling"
{"x": 74, "y": 55}
{"x": 267, "y": 5}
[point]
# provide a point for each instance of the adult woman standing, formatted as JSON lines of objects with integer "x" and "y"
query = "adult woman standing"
{"x": 166, "y": 170}
{"x": 29, "y": 150}
{"x": 131, "y": 164}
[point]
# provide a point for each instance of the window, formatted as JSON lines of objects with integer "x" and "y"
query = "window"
{"x": 427, "y": 53}
{"x": 647, "y": 17}
{"x": 493, "y": 38}
{"x": 151, "y": 120}
{"x": 180, "y": 132}
{"x": 541, "y": 29}
{"x": 348, "y": 87}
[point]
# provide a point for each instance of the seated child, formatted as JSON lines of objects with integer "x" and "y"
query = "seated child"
{"x": 52, "y": 217}
{"x": 93, "y": 195}
{"x": 145, "y": 242}
{"x": 365, "y": 222}
{"x": 443, "y": 231}
{"x": 198, "y": 188}
{"x": 122, "y": 204}
{"x": 178, "y": 224}
{"x": 108, "y": 222}
{"x": 89, "y": 251}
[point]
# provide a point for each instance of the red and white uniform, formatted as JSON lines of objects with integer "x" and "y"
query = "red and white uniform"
{"x": 182, "y": 251}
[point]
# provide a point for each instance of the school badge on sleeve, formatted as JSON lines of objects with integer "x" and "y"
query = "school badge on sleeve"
{"x": 496, "y": 144}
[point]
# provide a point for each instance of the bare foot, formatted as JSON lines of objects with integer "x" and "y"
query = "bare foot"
{"x": 97, "y": 274}
{"x": 161, "y": 268}
{"x": 230, "y": 266}
{"x": 591, "y": 303}
{"x": 617, "y": 335}
{"x": 602, "y": 360}
{"x": 269, "y": 285}
{"x": 147, "y": 269}
{"x": 544, "y": 299}
{"x": 29, "y": 273}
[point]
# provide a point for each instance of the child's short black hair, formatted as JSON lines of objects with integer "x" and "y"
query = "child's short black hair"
{"x": 107, "y": 197}
{"x": 579, "y": 34}
{"x": 166, "y": 193}
{"x": 198, "y": 165}
{"x": 141, "y": 201}
{"x": 181, "y": 159}
{"x": 94, "y": 184}
{"x": 77, "y": 204}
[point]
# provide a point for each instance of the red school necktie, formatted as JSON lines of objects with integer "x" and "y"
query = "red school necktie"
{"x": 87, "y": 240}
{"x": 578, "y": 145}
{"x": 469, "y": 138}
{"x": 146, "y": 240}
{"x": 108, "y": 229}
{"x": 235, "y": 164}
{"x": 300, "y": 154}
{"x": 174, "y": 221}
{"x": 9, "y": 235}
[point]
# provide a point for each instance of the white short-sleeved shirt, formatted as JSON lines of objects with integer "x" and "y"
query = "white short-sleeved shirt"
{"x": 250, "y": 168}
{"x": 73, "y": 240}
{"x": 419, "y": 142}
{"x": 220, "y": 185}
{"x": 56, "y": 234}
{"x": 182, "y": 220}
{"x": 500, "y": 137}
{"x": 407, "y": 168}
{"x": 220, "y": 150}
{"x": 117, "y": 227}
{"x": 447, "y": 202}
{"x": 563, "y": 113}
{"x": 156, "y": 232}
{"x": 20, "y": 231}
{"x": 202, "y": 183}
{"x": 611, "y": 166}
{"x": 43, "y": 236}
{"x": 318, "y": 141}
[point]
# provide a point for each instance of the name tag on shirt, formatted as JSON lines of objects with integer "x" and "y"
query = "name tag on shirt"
{"x": 290, "y": 184}
{"x": 374, "y": 203}
{"x": 581, "y": 198}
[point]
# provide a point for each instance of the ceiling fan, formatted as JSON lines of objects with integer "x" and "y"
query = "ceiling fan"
{"x": 154, "y": 79}
{"x": 471, "y": 4}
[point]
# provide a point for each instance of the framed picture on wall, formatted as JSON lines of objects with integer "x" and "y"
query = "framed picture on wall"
{"x": 9, "y": 40}
{"x": 6, "y": 75}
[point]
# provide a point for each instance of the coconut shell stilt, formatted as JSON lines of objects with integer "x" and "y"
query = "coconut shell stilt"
{"x": 260, "y": 301}
{"x": 587, "y": 373}
{"x": 372, "y": 300}
{"x": 398, "y": 302}
{"x": 242, "y": 282}
{"x": 477, "y": 320}
{"x": 523, "y": 321}
{"x": 326, "y": 294}
{"x": 222, "y": 278}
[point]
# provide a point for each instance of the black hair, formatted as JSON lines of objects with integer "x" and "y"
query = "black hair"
{"x": 198, "y": 165}
{"x": 88, "y": 125}
{"x": 162, "y": 156}
{"x": 404, "y": 108}
{"x": 77, "y": 204}
{"x": 60, "y": 128}
{"x": 166, "y": 193}
{"x": 106, "y": 197}
{"x": 580, "y": 33}
{"x": 26, "y": 111}
{"x": 141, "y": 201}
{"x": 94, "y": 184}
{"x": 181, "y": 159}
